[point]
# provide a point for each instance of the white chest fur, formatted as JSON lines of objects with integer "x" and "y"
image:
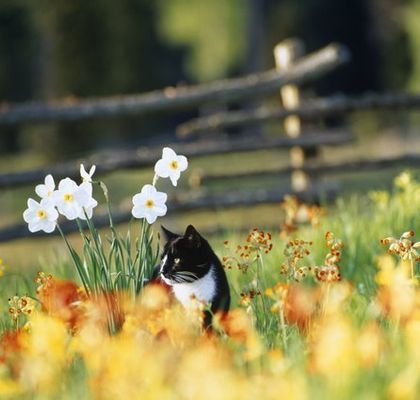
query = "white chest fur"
{"x": 203, "y": 289}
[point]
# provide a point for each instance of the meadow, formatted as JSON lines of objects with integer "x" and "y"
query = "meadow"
{"x": 327, "y": 306}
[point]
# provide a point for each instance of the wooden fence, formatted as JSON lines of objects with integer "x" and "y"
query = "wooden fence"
{"x": 292, "y": 69}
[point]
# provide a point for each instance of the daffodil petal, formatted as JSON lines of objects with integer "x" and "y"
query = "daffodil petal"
{"x": 34, "y": 226}
{"x": 148, "y": 190}
{"x": 161, "y": 169}
{"x": 41, "y": 190}
{"x": 150, "y": 217}
{"x": 29, "y": 215}
{"x": 168, "y": 153}
{"x": 138, "y": 212}
{"x": 67, "y": 185}
{"x": 160, "y": 210}
{"x": 49, "y": 226}
{"x": 49, "y": 182}
{"x": 32, "y": 203}
{"x": 182, "y": 163}
{"x": 139, "y": 198}
{"x": 161, "y": 197}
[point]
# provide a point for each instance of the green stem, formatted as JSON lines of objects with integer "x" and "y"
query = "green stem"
{"x": 283, "y": 328}
{"x": 82, "y": 273}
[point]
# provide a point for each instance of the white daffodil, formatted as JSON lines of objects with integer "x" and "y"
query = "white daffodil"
{"x": 71, "y": 199}
{"x": 46, "y": 190}
{"x": 171, "y": 165}
{"x": 40, "y": 216}
{"x": 87, "y": 209}
{"x": 87, "y": 176}
{"x": 149, "y": 204}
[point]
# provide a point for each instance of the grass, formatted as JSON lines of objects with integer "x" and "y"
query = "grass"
{"x": 354, "y": 339}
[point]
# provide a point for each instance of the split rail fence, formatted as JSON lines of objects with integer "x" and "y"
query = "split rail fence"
{"x": 199, "y": 137}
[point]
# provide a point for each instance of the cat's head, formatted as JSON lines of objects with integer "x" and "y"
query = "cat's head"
{"x": 186, "y": 257}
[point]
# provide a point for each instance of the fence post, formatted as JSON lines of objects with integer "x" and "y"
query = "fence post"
{"x": 286, "y": 53}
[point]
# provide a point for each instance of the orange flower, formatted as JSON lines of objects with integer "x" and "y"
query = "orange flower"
{"x": 61, "y": 299}
{"x": 301, "y": 305}
{"x": 10, "y": 350}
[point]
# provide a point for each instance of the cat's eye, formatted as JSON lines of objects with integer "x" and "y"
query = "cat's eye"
{"x": 177, "y": 260}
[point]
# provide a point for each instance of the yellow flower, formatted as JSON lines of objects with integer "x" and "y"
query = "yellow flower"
{"x": 403, "y": 180}
{"x": 405, "y": 385}
{"x": 45, "y": 354}
{"x": 334, "y": 347}
{"x": 3, "y": 268}
{"x": 369, "y": 345}
{"x": 386, "y": 273}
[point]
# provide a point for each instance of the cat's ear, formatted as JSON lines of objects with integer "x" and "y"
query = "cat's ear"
{"x": 168, "y": 235}
{"x": 193, "y": 237}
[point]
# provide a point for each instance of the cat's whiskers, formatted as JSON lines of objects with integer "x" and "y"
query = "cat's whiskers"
{"x": 185, "y": 276}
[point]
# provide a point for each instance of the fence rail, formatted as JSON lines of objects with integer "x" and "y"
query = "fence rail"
{"x": 307, "y": 69}
{"x": 310, "y": 110}
{"x": 143, "y": 157}
{"x": 318, "y": 167}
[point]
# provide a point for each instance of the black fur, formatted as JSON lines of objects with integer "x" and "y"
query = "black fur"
{"x": 189, "y": 257}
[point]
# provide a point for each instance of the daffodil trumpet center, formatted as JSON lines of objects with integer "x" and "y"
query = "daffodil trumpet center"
{"x": 68, "y": 197}
{"x": 150, "y": 203}
{"x": 41, "y": 214}
{"x": 174, "y": 164}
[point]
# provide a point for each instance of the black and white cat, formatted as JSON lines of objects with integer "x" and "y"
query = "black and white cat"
{"x": 192, "y": 269}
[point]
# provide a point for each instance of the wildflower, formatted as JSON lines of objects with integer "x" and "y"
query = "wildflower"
{"x": 149, "y": 204}
{"x": 295, "y": 251}
{"x": 59, "y": 298}
{"x": 2, "y": 268}
{"x": 87, "y": 176}
{"x": 334, "y": 347}
{"x": 380, "y": 198}
{"x": 45, "y": 357}
{"x": 396, "y": 296}
{"x": 40, "y": 216}
{"x": 46, "y": 190}
{"x": 369, "y": 345}
{"x": 74, "y": 201}
{"x": 20, "y": 305}
{"x": 248, "y": 295}
{"x": 300, "y": 305}
{"x": 257, "y": 242}
{"x": 403, "y": 247}
{"x": 296, "y": 213}
{"x": 278, "y": 293}
{"x": 403, "y": 180}
{"x": 44, "y": 281}
{"x": 405, "y": 384}
{"x": 327, "y": 273}
{"x": 171, "y": 165}
{"x": 330, "y": 271}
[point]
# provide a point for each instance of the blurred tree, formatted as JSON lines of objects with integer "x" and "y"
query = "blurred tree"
{"x": 392, "y": 40}
{"x": 17, "y": 49}
{"x": 103, "y": 47}
{"x": 214, "y": 32}
{"x": 411, "y": 18}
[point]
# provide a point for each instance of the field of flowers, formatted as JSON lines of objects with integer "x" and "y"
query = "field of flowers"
{"x": 326, "y": 307}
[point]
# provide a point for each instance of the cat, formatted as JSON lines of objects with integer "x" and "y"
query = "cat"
{"x": 192, "y": 269}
